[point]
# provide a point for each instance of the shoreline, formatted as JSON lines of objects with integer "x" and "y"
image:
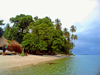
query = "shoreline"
{"x": 11, "y": 61}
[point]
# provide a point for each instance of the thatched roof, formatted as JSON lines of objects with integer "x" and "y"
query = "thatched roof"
{"x": 13, "y": 46}
{"x": 17, "y": 47}
{"x": 3, "y": 41}
{"x": 15, "y": 42}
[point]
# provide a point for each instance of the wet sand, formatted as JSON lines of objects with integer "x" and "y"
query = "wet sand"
{"x": 11, "y": 61}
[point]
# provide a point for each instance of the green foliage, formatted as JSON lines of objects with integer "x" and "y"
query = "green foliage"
{"x": 21, "y": 23}
{"x": 73, "y": 28}
{"x": 8, "y": 41}
{"x": 66, "y": 33}
{"x": 11, "y": 33}
{"x": 70, "y": 53}
{"x": 58, "y": 24}
{"x": 60, "y": 32}
{"x": 1, "y": 22}
{"x": 40, "y": 34}
{"x": 43, "y": 36}
{"x": 72, "y": 36}
{"x": 1, "y": 32}
{"x": 36, "y": 18}
{"x": 6, "y": 32}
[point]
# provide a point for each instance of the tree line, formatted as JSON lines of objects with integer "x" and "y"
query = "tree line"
{"x": 40, "y": 34}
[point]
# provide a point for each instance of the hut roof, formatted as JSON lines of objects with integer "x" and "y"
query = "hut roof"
{"x": 13, "y": 46}
{"x": 15, "y": 42}
{"x": 3, "y": 41}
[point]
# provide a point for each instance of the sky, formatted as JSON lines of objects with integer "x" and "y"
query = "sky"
{"x": 84, "y": 14}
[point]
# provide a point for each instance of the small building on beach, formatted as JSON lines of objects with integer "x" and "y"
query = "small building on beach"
{"x": 3, "y": 41}
{"x": 12, "y": 46}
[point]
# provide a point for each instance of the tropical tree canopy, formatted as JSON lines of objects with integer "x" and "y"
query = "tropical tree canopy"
{"x": 40, "y": 34}
{"x": 43, "y": 37}
{"x": 22, "y": 21}
{"x": 17, "y": 31}
{"x": 1, "y": 32}
{"x": 7, "y": 34}
{"x": 66, "y": 33}
{"x": 1, "y": 22}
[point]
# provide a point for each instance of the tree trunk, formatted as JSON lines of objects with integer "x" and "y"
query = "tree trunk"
{"x": 22, "y": 30}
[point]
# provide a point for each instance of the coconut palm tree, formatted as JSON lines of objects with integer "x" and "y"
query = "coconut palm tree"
{"x": 66, "y": 33}
{"x": 75, "y": 38}
{"x": 71, "y": 46}
{"x": 73, "y": 29}
{"x": 36, "y": 18}
{"x": 72, "y": 36}
{"x": 58, "y": 24}
{"x": 48, "y": 18}
{"x": 7, "y": 26}
{"x": 1, "y": 22}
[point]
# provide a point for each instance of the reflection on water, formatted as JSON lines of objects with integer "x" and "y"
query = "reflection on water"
{"x": 78, "y": 65}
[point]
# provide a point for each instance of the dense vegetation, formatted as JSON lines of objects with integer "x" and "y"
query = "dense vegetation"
{"x": 40, "y": 34}
{"x": 1, "y": 30}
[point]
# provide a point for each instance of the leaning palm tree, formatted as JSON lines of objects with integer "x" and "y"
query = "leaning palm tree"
{"x": 71, "y": 46}
{"x": 73, "y": 29}
{"x": 65, "y": 30}
{"x": 72, "y": 36}
{"x": 66, "y": 33}
{"x": 75, "y": 38}
{"x": 57, "y": 24}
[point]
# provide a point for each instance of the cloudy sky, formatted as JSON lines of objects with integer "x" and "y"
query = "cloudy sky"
{"x": 84, "y": 14}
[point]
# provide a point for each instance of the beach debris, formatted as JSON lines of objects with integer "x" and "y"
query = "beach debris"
{"x": 51, "y": 63}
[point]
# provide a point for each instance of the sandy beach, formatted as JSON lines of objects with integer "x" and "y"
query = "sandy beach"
{"x": 11, "y": 61}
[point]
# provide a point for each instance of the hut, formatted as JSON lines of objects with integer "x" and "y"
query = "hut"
{"x": 15, "y": 42}
{"x": 13, "y": 46}
{"x": 16, "y": 46}
{"x": 3, "y": 41}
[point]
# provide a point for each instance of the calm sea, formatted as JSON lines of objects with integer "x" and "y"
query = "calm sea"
{"x": 77, "y": 65}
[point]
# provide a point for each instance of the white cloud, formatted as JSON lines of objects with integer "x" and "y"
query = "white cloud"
{"x": 69, "y": 11}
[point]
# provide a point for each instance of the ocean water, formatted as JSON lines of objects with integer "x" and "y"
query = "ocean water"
{"x": 77, "y": 65}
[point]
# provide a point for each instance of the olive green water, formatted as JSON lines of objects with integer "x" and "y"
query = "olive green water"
{"x": 77, "y": 65}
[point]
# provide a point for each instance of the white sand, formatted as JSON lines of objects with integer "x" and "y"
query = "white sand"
{"x": 11, "y": 61}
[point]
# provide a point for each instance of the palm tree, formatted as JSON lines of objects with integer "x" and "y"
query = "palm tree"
{"x": 1, "y": 32}
{"x": 72, "y": 36}
{"x": 8, "y": 26}
{"x": 58, "y": 24}
{"x": 75, "y": 38}
{"x": 73, "y": 29}
{"x": 1, "y": 22}
{"x": 48, "y": 18}
{"x": 71, "y": 46}
{"x": 66, "y": 33}
{"x": 36, "y": 18}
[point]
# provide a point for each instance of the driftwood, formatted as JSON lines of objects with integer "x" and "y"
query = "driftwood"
{"x": 51, "y": 63}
